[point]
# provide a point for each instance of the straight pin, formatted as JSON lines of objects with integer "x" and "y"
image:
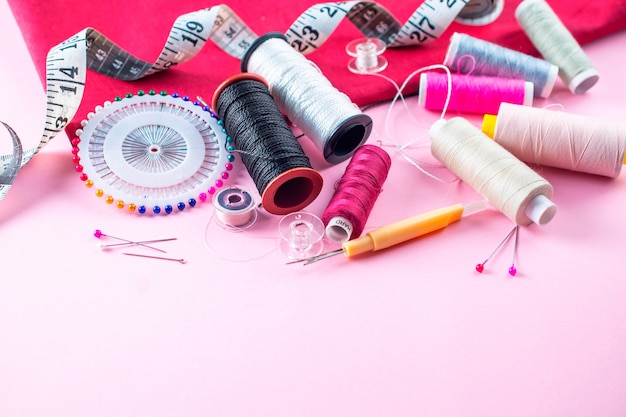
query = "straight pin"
{"x": 180, "y": 260}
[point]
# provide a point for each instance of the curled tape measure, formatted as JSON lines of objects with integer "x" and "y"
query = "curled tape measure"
{"x": 67, "y": 63}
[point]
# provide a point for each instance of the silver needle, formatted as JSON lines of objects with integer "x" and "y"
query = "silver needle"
{"x": 180, "y": 260}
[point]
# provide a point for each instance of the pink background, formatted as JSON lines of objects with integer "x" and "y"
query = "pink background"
{"x": 412, "y": 331}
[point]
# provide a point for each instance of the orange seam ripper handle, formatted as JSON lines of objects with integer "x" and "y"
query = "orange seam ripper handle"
{"x": 403, "y": 230}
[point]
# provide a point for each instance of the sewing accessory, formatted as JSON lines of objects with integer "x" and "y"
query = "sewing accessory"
{"x": 481, "y": 266}
{"x": 471, "y": 93}
{"x": 269, "y": 150}
{"x": 235, "y": 208}
{"x": 513, "y": 268}
{"x": 402, "y": 231}
{"x": 140, "y": 243}
{"x": 301, "y": 235}
{"x": 10, "y": 164}
{"x": 557, "y": 45}
{"x": 470, "y": 55}
{"x": 179, "y": 260}
{"x": 367, "y": 56}
{"x": 558, "y": 139}
{"x": 355, "y": 193}
{"x": 99, "y": 234}
{"x": 506, "y": 182}
{"x": 152, "y": 152}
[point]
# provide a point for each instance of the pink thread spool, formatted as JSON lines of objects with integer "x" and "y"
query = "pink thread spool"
{"x": 471, "y": 93}
{"x": 356, "y": 193}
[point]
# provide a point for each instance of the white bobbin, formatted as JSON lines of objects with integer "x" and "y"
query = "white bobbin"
{"x": 367, "y": 55}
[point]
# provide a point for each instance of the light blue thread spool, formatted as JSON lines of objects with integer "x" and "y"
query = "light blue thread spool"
{"x": 467, "y": 54}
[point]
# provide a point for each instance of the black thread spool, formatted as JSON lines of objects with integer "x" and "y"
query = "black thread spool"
{"x": 325, "y": 115}
{"x": 269, "y": 150}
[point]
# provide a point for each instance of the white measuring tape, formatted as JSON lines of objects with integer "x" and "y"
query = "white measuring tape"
{"x": 67, "y": 63}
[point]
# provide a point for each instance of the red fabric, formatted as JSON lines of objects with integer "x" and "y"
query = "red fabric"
{"x": 142, "y": 28}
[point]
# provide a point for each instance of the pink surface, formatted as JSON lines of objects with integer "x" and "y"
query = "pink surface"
{"x": 413, "y": 331}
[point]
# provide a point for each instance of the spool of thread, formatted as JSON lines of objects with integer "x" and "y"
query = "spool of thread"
{"x": 469, "y": 55}
{"x": 356, "y": 193}
{"x": 269, "y": 150}
{"x": 556, "y": 43}
{"x": 234, "y": 207}
{"x": 472, "y": 94}
{"x": 324, "y": 114}
{"x": 505, "y": 181}
{"x": 557, "y": 139}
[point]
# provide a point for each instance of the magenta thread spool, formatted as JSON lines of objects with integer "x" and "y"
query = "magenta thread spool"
{"x": 356, "y": 193}
{"x": 472, "y": 94}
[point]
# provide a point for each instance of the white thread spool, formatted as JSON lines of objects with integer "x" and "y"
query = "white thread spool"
{"x": 323, "y": 113}
{"x": 367, "y": 56}
{"x": 506, "y": 182}
{"x": 470, "y": 55}
{"x": 558, "y": 139}
{"x": 555, "y": 42}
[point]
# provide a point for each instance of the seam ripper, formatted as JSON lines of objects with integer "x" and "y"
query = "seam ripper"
{"x": 401, "y": 231}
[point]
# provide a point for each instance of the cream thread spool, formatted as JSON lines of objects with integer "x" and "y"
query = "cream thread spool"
{"x": 507, "y": 183}
{"x": 324, "y": 114}
{"x": 558, "y": 139}
{"x": 367, "y": 56}
{"x": 557, "y": 45}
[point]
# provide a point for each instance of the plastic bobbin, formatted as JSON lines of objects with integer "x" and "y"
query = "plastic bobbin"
{"x": 367, "y": 55}
{"x": 301, "y": 235}
{"x": 235, "y": 208}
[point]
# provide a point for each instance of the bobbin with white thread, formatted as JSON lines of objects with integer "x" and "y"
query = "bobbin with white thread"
{"x": 558, "y": 139}
{"x": 469, "y": 55}
{"x": 235, "y": 208}
{"x": 337, "y": 127}
{"x": 557, "y": 44}
{"x": 367, "y": 56}
{"x": 507, "y": 183}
